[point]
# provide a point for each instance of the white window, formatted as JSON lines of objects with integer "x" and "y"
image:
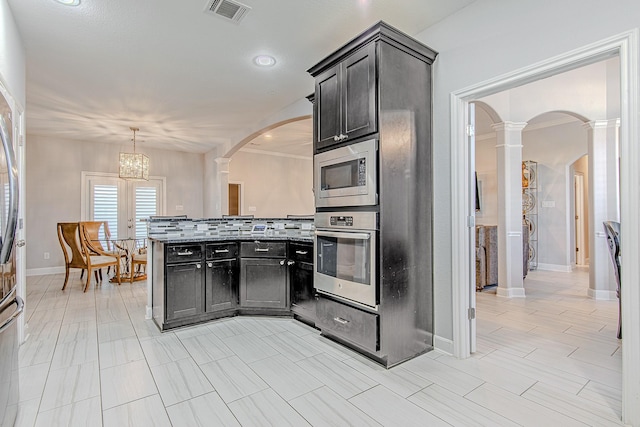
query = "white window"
{"x": 125, "y": 205}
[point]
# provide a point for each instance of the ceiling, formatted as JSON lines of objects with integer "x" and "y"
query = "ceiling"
{"x": 183, "y": 76}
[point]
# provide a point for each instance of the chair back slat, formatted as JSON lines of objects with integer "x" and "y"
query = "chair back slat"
{"x": 69, "y": 238}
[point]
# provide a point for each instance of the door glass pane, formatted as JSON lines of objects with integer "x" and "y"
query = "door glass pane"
{"x": 146, "y": 206}
{"x": 344, "y": 258}
{"x": 105, "y": 207}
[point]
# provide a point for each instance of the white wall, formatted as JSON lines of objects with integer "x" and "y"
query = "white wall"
{"x": 487, "y": 39}
{"x": 274, "y": 185}
{"x": 12, "y": 56}
{"x": 555, "y": 148}
{"x": 581, "y": 166}
{"x": 54, "y": 168}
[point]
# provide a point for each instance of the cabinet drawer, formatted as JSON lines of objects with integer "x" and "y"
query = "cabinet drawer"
{"x": 183, "y": 253}
{"x": 222, "y": 251}
{"x": 349, "y": 323}
{"x": 259, "y": 249}
{"x": 301, "y": 252}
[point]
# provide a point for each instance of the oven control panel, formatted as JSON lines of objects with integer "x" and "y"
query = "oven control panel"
{"x": 341, "y": 221}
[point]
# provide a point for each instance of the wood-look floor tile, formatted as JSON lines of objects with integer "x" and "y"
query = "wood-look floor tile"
{"x": 203, "y": 411}
{"x": 180, "y": 380}
{"x": 74, "y": 353}
{"x": 78, "y": 331}
{"x": 115, "y": 330}
{"x": 574, "y": 406}
{"x": 389, "y": 409}
{"x": 517, "y": 408}
{"x": 291, "y": 346}
{"x": 119, "y": 352}
{"x": 495, "y": 374}
{"x": 70, "y": 385}
{"x": 324, "y": 408}
{"x": 146, "y": 412}
{"x": 249, "y": 348}
{"x": 265, "y": 408}
{"x": 164, "y": 349}
{"x": 126, "y": 383}
{"x": 79, "y": 414}
{"x": 227, "y": 328}
{"x": 455, "y": 409}
{"x": 206, "y": 348}
{"x": 285, "y": 377}
{"x": 233, "y": 379}
{"x": 342, "y": 379}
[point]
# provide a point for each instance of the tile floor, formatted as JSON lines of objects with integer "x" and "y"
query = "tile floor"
{"x": 92, "y": 359}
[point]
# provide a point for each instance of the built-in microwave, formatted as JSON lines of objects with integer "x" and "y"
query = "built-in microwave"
{"x": 347, "y": 176}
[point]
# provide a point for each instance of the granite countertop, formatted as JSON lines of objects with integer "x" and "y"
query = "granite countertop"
{"x": 236, "y": 238}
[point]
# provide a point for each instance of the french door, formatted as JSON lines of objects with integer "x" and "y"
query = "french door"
{"x": 125, "y": 205}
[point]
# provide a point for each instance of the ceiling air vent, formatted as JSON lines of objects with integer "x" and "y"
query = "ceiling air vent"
{"x": 228, "y": 9}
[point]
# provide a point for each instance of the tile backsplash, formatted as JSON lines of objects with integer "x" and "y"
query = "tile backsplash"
{"x": 171, "y": 228}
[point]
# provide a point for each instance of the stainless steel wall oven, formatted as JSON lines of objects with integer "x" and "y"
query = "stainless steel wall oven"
{"x": 345, "y": 248}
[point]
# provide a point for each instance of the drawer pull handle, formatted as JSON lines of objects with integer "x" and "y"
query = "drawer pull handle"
{"x": 222, "y": 251}
{"x": 262, "y": 250}
{"x": 185, "y": 253}
{"x": 302, "y": 252}
{"x": 341, "y": 320}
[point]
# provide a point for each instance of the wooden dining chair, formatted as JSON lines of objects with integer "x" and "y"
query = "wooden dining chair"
{"x": 139, "y": 259}
{"x": 95, "y": 243}
{"x": 78, "y": 255}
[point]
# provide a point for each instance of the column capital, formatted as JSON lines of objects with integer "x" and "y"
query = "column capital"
{"x": 509, "y": 126}
{"x": 223, "y": 164}
{"x": 602, "y": 124}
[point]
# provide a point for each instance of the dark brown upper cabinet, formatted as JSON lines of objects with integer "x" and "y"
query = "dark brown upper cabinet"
{"x": 346, "y": 99}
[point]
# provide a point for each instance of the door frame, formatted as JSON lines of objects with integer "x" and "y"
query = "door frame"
{"x": 625, "y": 46}
{"x": 578, "y": 222}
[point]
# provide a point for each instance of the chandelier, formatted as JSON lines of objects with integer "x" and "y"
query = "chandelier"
{"x": 133, "y": 165}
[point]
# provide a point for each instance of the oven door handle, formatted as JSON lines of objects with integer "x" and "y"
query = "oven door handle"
{"x": 344, "y": 235}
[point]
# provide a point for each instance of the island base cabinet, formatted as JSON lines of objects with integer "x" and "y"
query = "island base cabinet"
{"x": 184, "y": 290}
{"x": 263, "y": 283}
{"x": 221, "y": 285}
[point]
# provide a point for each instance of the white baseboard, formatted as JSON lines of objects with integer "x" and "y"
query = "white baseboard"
{"x": 555, "y": 267}
{"x": 443, "y": 344}
{"x": 44, "y": 271}
{"x": 510, "y": 292}
{"x": 149, "y": 313}
{"x": 601, "y": 294}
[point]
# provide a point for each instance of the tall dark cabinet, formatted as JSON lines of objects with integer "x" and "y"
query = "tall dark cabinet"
{"x": 378, "y": 86}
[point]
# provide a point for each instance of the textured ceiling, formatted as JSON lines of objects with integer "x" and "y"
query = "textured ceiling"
{"x": 184, "y": 77}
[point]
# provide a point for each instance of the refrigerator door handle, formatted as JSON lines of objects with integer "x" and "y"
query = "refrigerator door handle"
{"x": 9, "y": 233}
{"x": 19, "y": 307}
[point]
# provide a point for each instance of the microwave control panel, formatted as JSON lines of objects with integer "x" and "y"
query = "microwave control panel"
{"x": 343, "y": 221}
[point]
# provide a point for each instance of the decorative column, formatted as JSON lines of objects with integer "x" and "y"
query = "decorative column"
{"x": 222, "y": 186}
{"x": 509, "y": 164}
{"x": 603, "y": 204}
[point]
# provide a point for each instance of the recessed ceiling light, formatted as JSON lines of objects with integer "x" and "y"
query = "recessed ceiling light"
{"x": 69, "y": 2}
{"x": 264, "y": 61}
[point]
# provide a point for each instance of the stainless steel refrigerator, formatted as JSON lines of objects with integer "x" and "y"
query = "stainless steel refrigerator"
{"x": 11, "y": 305}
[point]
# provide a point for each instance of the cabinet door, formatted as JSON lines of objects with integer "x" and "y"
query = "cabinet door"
{"x": 184, "y": 290}
{"x": 327, "y": 108}
{"x": 303, "y": 300}
{"x": 358, "y": 89}
{"x": 263, "y": 283}
{"x": 221, "y": 285}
